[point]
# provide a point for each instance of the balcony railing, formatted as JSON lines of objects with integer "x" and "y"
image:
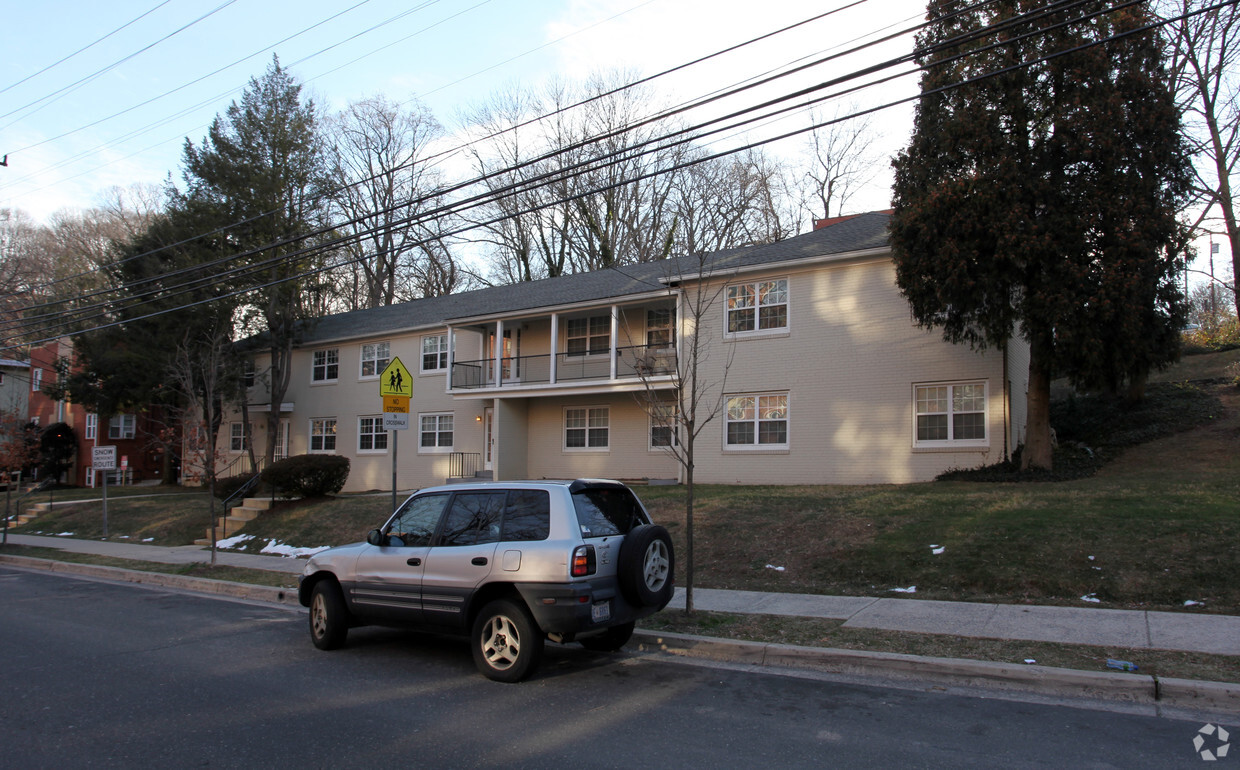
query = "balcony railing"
{"x": 632, "y": 363}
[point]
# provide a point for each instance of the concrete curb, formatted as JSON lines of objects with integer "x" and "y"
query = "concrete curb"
{"x": 1043, "y": 680}
{"x": 256, "y": 593}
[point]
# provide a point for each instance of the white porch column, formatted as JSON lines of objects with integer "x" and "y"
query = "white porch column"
{"x": 615, "y": 338}
{"x": 451, "y": 357}
{"x": 555, "y": 344}
{"x": 499, "y": 353}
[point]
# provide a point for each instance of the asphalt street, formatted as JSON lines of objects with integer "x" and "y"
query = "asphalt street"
{"x": 106, "y": 675}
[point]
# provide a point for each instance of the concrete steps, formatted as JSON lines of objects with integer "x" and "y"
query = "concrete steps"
{"x": 236, "y": 519}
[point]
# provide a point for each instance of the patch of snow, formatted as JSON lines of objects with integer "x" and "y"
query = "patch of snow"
{"x": 1030, "y": 661}
{"x": 777, "y": 569}
{"x": 937, "y": 549}
{"x": 1091, "y": 599}
{"x": 1193, "y": 603}
{"x": 1091, "y": 558}
{"x": 64, "y": 534}
{"x": 148, "y": 539}
{"x": 232, "y": 542}
{"x": 281, "y": 549}
{"x": 909, "y": 590}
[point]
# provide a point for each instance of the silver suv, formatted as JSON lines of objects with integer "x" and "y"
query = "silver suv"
{"x": 508, "y": 563}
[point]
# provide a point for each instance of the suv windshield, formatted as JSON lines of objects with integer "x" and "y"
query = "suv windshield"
{"x": 603, "y": 511}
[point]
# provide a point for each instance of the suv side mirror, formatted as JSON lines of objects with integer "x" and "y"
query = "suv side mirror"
{"x": 375, "y": 537}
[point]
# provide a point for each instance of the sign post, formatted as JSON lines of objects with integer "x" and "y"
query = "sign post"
{"x": 103, "y": 459}
{"x": 395, "y": 388}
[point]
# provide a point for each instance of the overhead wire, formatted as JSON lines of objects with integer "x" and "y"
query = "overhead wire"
{"x": 553, "y": 113}
{"x": 631, "y": 180}
{"x": 559, "y": 173}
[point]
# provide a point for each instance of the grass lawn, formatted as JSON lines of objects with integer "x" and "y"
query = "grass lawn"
{"x": 1158, "y": 525}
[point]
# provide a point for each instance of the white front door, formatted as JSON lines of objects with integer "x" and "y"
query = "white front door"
{"x": 488, "y": 436}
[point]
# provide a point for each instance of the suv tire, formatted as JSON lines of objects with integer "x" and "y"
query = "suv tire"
{"x": 329, "y": 620}
{"x": 646, "y": 566}
{"x": 507, "y": 643}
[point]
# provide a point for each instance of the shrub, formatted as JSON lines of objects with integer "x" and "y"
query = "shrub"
{"x": 226, "y": 487}
{"x": 308, "y": 475}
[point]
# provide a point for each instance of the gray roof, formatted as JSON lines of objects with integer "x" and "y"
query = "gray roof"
{"x": 861, "y": 233}
{"x": 9, "y": 362}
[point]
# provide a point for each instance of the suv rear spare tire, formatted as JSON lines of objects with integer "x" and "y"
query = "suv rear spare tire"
{"x": 646, "y": 566}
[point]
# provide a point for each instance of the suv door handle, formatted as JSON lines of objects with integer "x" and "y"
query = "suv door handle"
{"x": 480, "y": 561}
{"x": 414, "y": 562}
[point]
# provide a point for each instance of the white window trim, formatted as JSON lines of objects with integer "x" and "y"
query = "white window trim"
{"x": 587, "y": 448}
{"x": 92, "y": 426}
{"x": 674, "y": 427}
{"x": 781, "y": 331}
{"x": 381, "y": 432}
{"x": 587, "y": 353}
{"x": 133, "y": 427}
{"x": 36, "y": 380}
{"x": 335, "y": 435}
{"x": 440, "y": 354}
{"x": 246, "y": 437}
{"x": 756, "y": 447}
{"x": 362, "y": 359}
{"x": 950, "y": 443}
{"x": 314, "y": 366}
{"x": 436, "y": 450}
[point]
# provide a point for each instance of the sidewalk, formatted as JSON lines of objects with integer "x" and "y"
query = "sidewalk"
{"x": 1134, "y": 629}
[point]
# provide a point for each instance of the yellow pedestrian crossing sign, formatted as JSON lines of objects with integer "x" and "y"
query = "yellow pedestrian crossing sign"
{"x": 395, "y": 380}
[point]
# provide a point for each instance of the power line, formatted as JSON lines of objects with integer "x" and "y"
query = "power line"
{"x": 654, "y": 145}
{"x": 322, "y": 247}
{"x": 611, "y": 92}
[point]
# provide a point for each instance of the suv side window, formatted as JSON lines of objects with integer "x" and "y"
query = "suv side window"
{"x": 606, "y": 511}
{"x": 528, "y": 515}
{"x": 414, "y": 523}
{"x": 473, "y": 519}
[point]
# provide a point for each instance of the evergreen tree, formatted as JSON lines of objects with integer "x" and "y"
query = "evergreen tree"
{"x": 259, "y": 171}
{"x": 1042, "y": 200}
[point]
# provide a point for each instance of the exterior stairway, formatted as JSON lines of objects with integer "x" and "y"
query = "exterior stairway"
{"x": 236, "y": 519}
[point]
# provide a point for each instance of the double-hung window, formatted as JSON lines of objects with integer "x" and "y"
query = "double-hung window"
{"x": 371, "y": 437}
{"x": 950, "y": 414}
{"x": 326, "y": 366}
{"x": 323, "y": 434}
{"x": 435, "y": 353}
{"x": 591, "y": 336}
{"x": 757, "y": 421}
{"x": 121, "y": 426}
{"x": 92, "y": 426}
{"x": 757, "y": 307}
{"x": 238, "y": 437}
{"x": 436, "y": 432}
{"x": 663, "y": 425}
{"x": 375, "y": 358}
{"x": 659, "y": 324}
{"x": 587, "y": 428}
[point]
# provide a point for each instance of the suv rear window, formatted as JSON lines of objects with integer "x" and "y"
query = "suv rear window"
{"x": 604, "y": 511}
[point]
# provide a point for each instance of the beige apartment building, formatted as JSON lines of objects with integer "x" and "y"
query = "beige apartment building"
{"x": 808, "y": 359}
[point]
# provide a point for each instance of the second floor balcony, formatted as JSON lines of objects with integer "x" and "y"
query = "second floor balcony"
{"x": 596, "y": 349}
{"x": 638, "y": 365}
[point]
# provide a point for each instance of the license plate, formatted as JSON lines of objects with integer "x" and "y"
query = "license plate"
{"x": 600, "y": 611}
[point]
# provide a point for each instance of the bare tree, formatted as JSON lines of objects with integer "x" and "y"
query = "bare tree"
{"x": 1205, "y": 61}
{"x": 700, "y": 375}
{"x": 837, "y": 162}
{"x": 206, "y": 376}
{"x": 730, "y": 202}
{"x": 381, "y": 180}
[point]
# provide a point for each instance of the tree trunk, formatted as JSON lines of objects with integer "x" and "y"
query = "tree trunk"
{"x": 1038, "y": 451}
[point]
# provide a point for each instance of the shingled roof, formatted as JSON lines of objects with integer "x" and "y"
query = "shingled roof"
{"x": 860, "y": 233}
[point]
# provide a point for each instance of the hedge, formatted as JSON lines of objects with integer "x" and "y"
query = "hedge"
{"x": 308, "y": 475}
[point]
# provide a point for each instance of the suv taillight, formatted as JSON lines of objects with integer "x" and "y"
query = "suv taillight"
{"x": 583, "y": 561}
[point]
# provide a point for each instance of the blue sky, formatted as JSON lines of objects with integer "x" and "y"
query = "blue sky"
{"x": 69, "y": 149}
